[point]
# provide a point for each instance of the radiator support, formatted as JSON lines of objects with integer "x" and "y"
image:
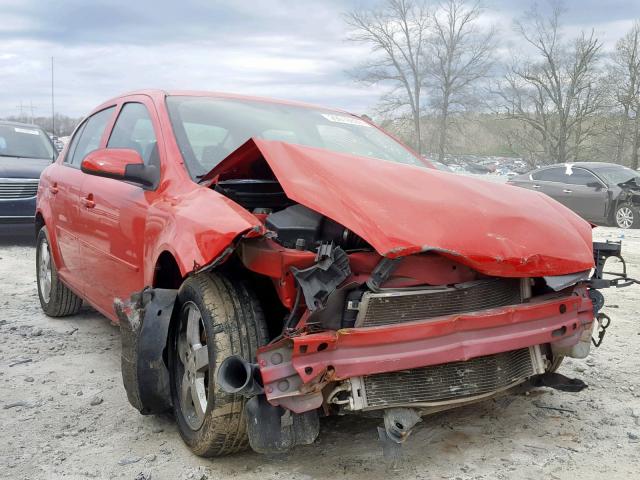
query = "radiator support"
{"x": 390, "y": 307}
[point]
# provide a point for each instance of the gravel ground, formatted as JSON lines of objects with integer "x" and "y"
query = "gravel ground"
{"x": 64, "y": 412}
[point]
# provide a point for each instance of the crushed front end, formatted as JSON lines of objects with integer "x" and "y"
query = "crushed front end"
{"x": 418, "y": 333}
{"x": 394, "y": 312}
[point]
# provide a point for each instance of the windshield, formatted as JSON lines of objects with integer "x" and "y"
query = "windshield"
{"x": 209, "y": 129}
{"x": 25, "y": 142}
{"x": 617, "y": 175}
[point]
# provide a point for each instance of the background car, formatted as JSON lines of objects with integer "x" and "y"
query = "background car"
{"x": 441, "y": 166}
{"x": 603, "y": 193}
{"x": 25, "y": 150}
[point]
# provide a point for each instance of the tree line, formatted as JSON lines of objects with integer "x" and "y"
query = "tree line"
{"x": 451, "y": 89}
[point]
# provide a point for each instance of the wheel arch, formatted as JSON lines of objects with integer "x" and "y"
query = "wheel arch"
{"x": 39, "y": 222}
{"x": 167, "y": 272}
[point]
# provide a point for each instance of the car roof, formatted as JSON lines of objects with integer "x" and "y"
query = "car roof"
{"x": 587, "y": 165}
{"x": 159, "y": 95}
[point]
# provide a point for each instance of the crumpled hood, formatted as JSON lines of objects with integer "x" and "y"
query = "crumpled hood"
{"x": 400, "y": 209}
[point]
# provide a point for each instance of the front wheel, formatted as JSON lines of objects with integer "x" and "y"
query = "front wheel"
{"x": 218, "y": 317}
{"x": 627, "y": 216}
{"x": 56, "y": 299}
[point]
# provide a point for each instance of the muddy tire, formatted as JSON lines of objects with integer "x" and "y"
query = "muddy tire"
{"x": 626, "y": 216}
{"x": 56, "y": 299}
{"x": 217, "y": 317}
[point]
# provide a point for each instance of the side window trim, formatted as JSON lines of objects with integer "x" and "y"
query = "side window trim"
{"x": 73, "y": 144}
{"x": 75, "y": 139}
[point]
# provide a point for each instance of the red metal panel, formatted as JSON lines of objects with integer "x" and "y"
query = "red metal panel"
{"x": 328, "y": 356}
{"x": 402, "y": 209}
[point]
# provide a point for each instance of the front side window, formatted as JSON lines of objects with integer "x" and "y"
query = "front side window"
{"x": 133, "y": 129}
{"x": 25, "y": 142}
{"x": 580, "y": 176}
{"x": 208, "y": 129}
{"x": 87, "y": 138}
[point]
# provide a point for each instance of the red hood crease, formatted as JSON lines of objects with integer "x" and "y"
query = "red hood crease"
{"x": 400, "y": 209}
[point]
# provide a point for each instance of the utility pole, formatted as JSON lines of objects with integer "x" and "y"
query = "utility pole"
{"x": 53, "y": 110}
{"x": 31, "y": 105}
{"x": 21, "y": 107}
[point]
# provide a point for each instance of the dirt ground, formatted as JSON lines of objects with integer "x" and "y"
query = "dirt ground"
{"x": 64, "y": 412}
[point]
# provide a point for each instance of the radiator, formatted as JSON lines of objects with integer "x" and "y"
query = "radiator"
{"x": 446, "y": 383}
{"x": 399, "y": 306}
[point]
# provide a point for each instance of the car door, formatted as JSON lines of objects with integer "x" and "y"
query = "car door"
{"x": 115, "y": 212}
{"x": 66, "y": 186}
{"x": 550, "y": 181}
{"x": 586, "y": 194}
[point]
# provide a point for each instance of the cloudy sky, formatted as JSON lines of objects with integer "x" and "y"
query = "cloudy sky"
{"x": 292, "y": 49}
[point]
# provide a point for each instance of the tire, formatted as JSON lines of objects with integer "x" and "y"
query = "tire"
{"x": 626, "y": 216}
{"x": 210, "y": 421}
{"x": 56, "y": 299}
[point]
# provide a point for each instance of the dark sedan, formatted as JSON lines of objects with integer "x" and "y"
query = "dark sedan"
{"x": 603, "y": 193}
{"x": 25, "y": 150}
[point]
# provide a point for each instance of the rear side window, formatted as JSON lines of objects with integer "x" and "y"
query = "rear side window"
{"x": 133, "y": 129}
{"x": 550, "y": 175}
{"x": 87, "y": 138}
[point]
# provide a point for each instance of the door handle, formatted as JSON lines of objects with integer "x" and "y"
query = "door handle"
{"x": 53, "y": 188}
{"x": 536, "y": 186}
{"x": 566, "y": 190}
{"x": 88, "y": 201}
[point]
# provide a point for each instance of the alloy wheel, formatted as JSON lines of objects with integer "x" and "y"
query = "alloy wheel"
{"x": 193, "y": 373}
{"x": 624, "y": 217}
{"x": 44, "y": 271}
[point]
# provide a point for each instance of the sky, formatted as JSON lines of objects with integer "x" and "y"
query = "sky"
{"x": 276, "y": 48}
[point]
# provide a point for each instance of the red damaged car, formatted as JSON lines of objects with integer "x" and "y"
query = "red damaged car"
{"x": 272, "y": 262}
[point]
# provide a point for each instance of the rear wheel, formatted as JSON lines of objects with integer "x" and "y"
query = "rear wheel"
{"x": 218, "y": 317}
{"x": 627, "y": 216}
{"x": 56, "y": 299}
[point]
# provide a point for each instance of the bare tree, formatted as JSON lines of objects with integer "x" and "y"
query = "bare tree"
{"x": 626, "y": 77}
{"x": 459, "y": 56}
{"x": 396, "y": 33}
{"x": 556, "y": 94}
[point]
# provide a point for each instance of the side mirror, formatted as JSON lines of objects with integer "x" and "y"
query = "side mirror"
{"x": 120, "y": 164}
{"x": 596, "y": 185}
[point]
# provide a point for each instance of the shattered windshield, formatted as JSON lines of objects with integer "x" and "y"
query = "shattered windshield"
{"x": 24, "y": 142}
{"x": 617, "y": 175}
{"x": 209, "y": 129}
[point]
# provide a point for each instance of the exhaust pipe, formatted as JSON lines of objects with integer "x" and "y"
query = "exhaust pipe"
{"x": 237, "y": 376}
